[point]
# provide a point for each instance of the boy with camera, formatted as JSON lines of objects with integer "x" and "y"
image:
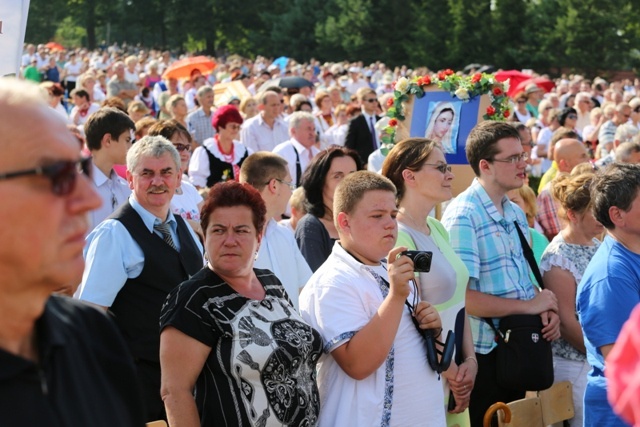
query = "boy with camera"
{"x": 375, "y": 369}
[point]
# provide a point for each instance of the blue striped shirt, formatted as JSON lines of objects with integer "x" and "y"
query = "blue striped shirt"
{"x": 488, "y": 244}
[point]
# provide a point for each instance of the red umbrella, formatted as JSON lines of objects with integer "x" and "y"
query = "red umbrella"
{"x": 183, "y": 68}
{"x": 53, "y": 46}
{"x": 514, "y": 76}
{"x": 542, "y": 82}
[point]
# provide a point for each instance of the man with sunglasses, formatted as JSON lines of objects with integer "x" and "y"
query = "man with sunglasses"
{"x": 361, "y": 134}
{"x": 109, "y": 133}
{"x": 481, "y": 225}
{"x": 62, "y": 363}
{"x": 138, "y": 255}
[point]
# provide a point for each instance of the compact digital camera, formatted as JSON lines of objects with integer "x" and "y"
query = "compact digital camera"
{"x": 421, "y": 260}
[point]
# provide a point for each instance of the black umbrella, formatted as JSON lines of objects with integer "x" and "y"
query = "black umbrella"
{"x": 292, "y": 82}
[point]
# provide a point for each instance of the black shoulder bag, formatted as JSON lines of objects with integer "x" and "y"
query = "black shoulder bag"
{"x": 524, "y": 359}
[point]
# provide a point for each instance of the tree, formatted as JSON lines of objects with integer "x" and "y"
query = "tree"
{"x": 472, "y": 34}
{"x": 432, "y": 42}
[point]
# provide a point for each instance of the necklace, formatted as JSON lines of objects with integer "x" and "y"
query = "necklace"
{"x": 418, "y": 226}
{"x": 228, "y": 157}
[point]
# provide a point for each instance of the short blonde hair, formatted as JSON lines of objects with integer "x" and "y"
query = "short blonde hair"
{"x": 353, "y": 188}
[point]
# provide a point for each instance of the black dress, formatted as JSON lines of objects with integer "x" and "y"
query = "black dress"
{"x": 261, "y": 370}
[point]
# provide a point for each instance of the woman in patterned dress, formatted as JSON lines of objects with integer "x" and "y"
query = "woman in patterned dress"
{"x": 562, "y": 266}
{"x": 233, "y": 350}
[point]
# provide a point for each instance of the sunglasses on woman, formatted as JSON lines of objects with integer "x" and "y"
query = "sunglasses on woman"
{"x": 63, "y": 174}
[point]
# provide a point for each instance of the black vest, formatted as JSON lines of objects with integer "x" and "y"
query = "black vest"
{"x": 136, "y": 309}
{"x": 217, "y": 168}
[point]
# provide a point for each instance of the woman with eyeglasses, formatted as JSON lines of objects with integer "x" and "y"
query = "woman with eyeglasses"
{"x": 562, "y": 266}
{"x": 520, "y": 112}
{"x": 218, "y": 159}
{"x": 569, "y": 119}
{"x": 187, "y": 201}
{"x": 418, "y": 169}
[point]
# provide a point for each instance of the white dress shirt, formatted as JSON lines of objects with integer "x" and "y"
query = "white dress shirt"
{"x": 279, "y": 253}
{"x": 288, "y": 150}
{"x": 257, "y": 135}
{"x": 113, "y": 191}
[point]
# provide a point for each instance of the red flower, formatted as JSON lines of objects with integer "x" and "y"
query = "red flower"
{"x": 476, "y": 78}
{"x": 393, "y": 122}
{"x": 390, "y": 102}
{"x": 506, "y": 113}
{"x": 497, "y": 91}
{"x": 442, "y": 75}
{"x": 490, "y": 110}
{"x": 448, "y": 71}
{"x": 426, "y": 81}
{"x": 419, "y": 81}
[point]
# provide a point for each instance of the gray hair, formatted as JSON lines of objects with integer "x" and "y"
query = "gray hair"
{"x": 297, "y": 99}
{"x": 625, "y": 150}
{"x": 583, "y": 96}
{"x": 151, "y": 146}
{"x": 203, "y": 90}
{"x": 299, "y": 116}
{"x": 617, "y": 185}
{"x": 14, "y": 92}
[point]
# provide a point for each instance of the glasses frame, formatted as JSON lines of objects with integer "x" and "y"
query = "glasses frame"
{"x": 289, "y": 184}
{"x": 522, "y": 157}
{"x": 182, "y": 147}
{"x": 63, "y": 174}
{"x": 441, "y": 167}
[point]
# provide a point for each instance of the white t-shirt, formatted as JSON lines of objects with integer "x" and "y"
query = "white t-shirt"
{"x": 186, "y": 204}
{"x": 340, "y": 299}
{"x": 73, "y": 71}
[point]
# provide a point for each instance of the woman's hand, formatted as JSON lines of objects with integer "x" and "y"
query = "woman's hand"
{"x": 463, "y": 383}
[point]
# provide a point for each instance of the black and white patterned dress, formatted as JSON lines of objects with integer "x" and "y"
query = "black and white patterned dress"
{"x": 262, "y": 367}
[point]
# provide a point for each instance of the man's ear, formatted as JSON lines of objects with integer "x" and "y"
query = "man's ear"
{"x": 343, "y": 221}
{"x": 130, "y": 179}
{"x": 617, "y": 216}
{"x": 105, "y": 141}
{"x": 485, "y": 166}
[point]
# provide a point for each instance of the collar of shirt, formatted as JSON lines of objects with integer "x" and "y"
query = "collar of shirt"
{"x": 367, "y": 116}
{"x": 509, "y": 214}
{"x": 150, "y": 219}
{"x": 301, "y": 148}
{"x": 99, "y": 178}
{"x": 344, "y": 256}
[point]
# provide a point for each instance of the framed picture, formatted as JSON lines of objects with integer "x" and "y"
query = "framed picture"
{"x": 444, "y": 118}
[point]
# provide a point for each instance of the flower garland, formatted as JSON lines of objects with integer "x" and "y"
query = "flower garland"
{"x": 464, "y": 88}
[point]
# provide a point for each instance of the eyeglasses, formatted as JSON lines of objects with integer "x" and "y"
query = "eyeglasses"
{"x": 289, "y": 184}
{"x": 62, "y": 174}
{"x": 442, "y": 167}
{"x": 522, "y": 157}
{"x": 521, "y": 101}
{"x": 572, "y": 116}
{"x": 233, "y": 126}
{"x": 371, "y": 100}
{"x": 182, "y": 147}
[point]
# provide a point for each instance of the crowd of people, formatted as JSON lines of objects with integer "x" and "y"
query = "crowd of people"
{"x": 252, "y": 254}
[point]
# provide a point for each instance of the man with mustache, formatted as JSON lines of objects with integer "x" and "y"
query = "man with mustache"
{"x": 62, "y": 363}
{"x": 138, "y": 255}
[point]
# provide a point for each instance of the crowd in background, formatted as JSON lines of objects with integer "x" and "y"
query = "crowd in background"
{"x": 294, "y": 146}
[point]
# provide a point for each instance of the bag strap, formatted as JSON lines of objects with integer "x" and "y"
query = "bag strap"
{"x": 528, "y": 254}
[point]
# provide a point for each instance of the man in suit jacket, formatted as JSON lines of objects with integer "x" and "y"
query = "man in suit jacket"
{"x": 361, "y": 135}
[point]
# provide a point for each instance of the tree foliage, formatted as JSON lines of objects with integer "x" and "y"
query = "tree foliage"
{"x": 547, "y": 35}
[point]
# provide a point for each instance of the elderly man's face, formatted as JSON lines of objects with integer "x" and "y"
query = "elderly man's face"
{"x": 43, "y": 233}
{"x": 154, "y": 182}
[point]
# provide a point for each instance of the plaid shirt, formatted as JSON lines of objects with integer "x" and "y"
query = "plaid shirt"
{"x": 547, "y": 215}
{"x": 200, "y": 125}
{"x": 489, "y": 246}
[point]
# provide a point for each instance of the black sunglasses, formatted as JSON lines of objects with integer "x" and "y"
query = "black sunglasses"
{"x": 182, "y": 147}
{"x": 62, "y": 174}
